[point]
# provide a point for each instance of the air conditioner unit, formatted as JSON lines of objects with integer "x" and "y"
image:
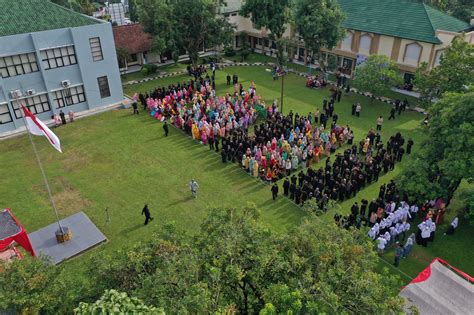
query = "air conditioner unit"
{"x": 15, "y": 94}
{"x": 65, "y": 83}
{"x": 30, "y": 92}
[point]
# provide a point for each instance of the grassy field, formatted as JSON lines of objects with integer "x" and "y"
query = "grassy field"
{"x": 119, "y": 161}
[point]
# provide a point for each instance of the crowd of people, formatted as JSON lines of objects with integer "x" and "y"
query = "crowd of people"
{"x": 281, "y": 144}
{"x": 60, "y": 118}
{"x": 349, "y": 173}
{"x": 390, "y": 218}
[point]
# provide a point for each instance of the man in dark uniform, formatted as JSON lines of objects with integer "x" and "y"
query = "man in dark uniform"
{"x": 63, "y": 117}
{"x": 228, "y": 79}
{"x": 292, "y": 190}
{"x": 409, "y": 145}
{"x": 224, "y": 155}
{"x": 297, "y": 195}
{"x": 147, "y": 214}
{"x": 286, "y": 186}
{"x": 401, "y": 151}
{"x": 165, "y": 128}
{"x": 392, "y": 114}
{"x": 293, "y": 180}
{"x": 135, "y": 108}
{"x": 274, "y": 191}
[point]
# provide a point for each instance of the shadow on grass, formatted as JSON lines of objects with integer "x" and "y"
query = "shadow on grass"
{"x": 131, "y": 229}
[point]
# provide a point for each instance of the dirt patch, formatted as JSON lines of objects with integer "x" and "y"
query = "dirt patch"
{"x": 68, "y": 200}
{"x": 75, "y": 160}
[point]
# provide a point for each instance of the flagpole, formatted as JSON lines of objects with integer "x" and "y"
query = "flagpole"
{"x": 40, "y": 164}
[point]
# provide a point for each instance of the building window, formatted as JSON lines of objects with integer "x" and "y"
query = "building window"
{"x": 347, "y": 42}
{"x": 412, "y": 53}
{"x": 96, "y": 49}
{"x": 5, "y": 116}
{"x": 103, "y": 86}
{"x": 11, "y": 66}
{"x": 438, "y": 56}
{"x": 365, "y": 42}
{"x": 58, "y": 57}
{"x": 36, "y": 105}
{"x": 70, "y": 96}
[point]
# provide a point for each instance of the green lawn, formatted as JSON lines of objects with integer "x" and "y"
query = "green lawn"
{"x": 119, "y": 161}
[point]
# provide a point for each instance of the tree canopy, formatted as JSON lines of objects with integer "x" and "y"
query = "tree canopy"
{"x": 235, "y": 263}
{"x": 184, "y": 26}
{"x": 273, "y": 16}
{"x": 318, "y": 22}
{"x": 454, "y": 73}
{"x": 461, "y": 9}
{"x": 377, "y": 75}
{"x": 114, "y": 302}
{"x": 446, "y": 157}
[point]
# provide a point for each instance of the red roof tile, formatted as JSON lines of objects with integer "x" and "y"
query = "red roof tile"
{"x": 132, "y": 38}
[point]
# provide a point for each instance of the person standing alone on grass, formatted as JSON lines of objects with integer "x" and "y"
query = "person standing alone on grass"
{"x": 379, "y": 123}
{"x": 274, "y": 191}
{"x": 358, "y": 109}
{"x": 392, "y": 114}
{"x": 147, "y": 214}
{"x": 193, "y": 186}
{"x": 398, "y": 254}
{"x": 408, "y": 245}
{"x": 166, "y": 128}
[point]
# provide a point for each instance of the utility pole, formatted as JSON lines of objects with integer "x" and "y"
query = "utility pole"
{"x": 281, "y": 96}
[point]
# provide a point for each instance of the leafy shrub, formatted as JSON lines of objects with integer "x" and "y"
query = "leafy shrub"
{"x": 229, "y": 52}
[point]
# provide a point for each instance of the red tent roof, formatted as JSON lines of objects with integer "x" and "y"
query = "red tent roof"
{"x": 132, "y": 38}
{"x": 12, "y": 231}
{"x": 440, "y": 289}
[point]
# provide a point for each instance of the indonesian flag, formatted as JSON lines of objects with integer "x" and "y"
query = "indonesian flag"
{"x": 38, "y": 128}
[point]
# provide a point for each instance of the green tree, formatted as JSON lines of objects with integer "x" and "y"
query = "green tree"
{"x": 318, "y": 22}
{"x": 132, "y": 10}
{"x": 461, "y": 9}
{"x": 445, "y": 158}
{"x": 377, "y": 75}
{"x": 114, "y": 302}
{"x": 122, "y": 57}
{"x": 236, "y": 264}
{"x": 274, "y": 16}
{"x": 30, "y": 285}
{"x": 81, "y": 6}
{"x": 454, "y": 73}
{"x": 196, "y": 24}
{"x": 155, "y": 18}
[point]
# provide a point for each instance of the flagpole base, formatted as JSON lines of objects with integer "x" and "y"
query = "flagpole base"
{"x": 63, "y": 235}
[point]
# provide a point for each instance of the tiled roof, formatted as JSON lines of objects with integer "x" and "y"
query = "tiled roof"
{"x": 410, "y": 19}
{"x": 132, "y": 38}
{"x": 28, "y": 16}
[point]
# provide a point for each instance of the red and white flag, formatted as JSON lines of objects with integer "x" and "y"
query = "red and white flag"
{"x": 38, "y": 128}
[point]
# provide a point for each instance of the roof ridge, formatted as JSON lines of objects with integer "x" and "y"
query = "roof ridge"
{"x": 75, "y": 12}
{"x": 429, "y": 18}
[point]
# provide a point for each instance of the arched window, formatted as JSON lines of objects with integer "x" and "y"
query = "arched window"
{"x": 365, "y": 42}
{"x": 347, "y": 42}
{"x": 412, "y": 53}
{"x": 438, "y": 56}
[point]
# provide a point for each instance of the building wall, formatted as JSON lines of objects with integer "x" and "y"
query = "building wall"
{"x": 47, "y": 81}
{"x": 392, "y": 47}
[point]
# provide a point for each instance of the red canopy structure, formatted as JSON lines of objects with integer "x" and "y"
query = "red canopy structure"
{"x": 12, "y": 231}
{"x": 440, "y": 289}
